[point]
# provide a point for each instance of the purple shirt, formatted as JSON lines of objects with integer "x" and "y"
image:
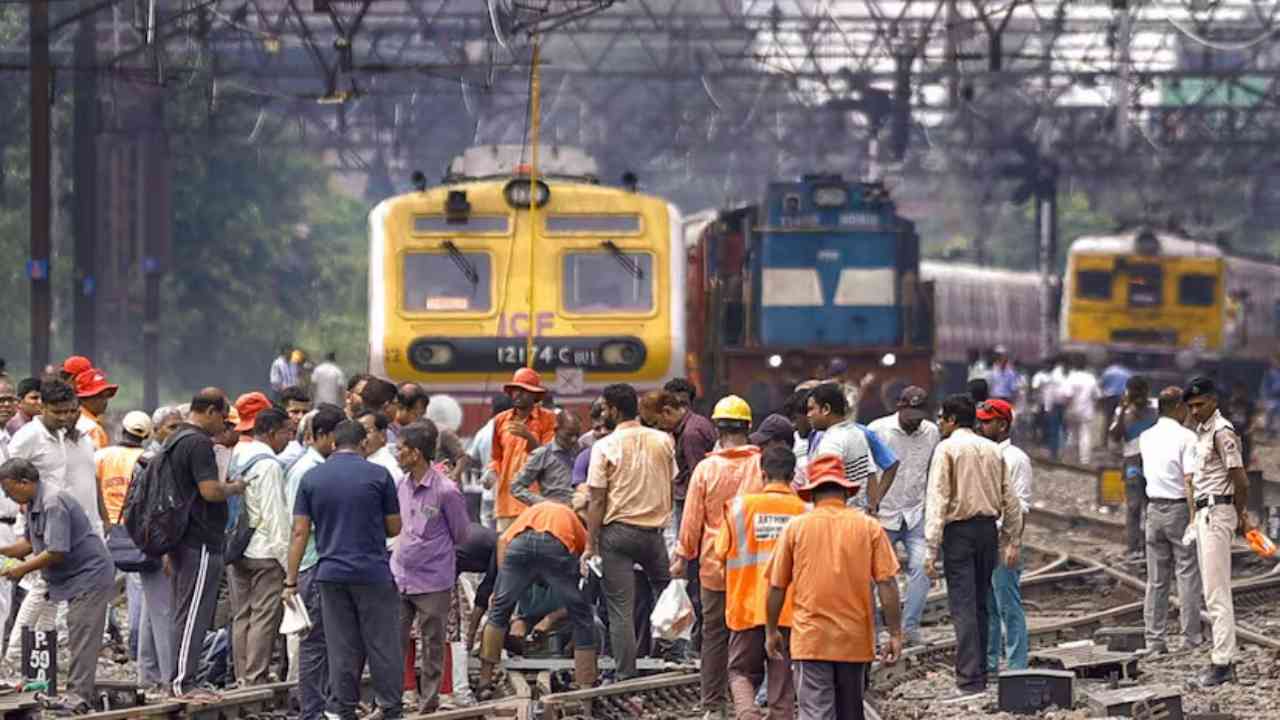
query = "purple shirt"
{"x": 434, "y": 520}
{"x": 695, "y": 437}
{"x": 580, "y": 467}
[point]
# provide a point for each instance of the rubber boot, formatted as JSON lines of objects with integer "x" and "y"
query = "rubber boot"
{"x": 490, "y": 655}
{"x": 584, "y": 668}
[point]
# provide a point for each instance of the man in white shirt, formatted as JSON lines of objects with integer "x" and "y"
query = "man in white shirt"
{"x": 327, "y": 382}
{"x": 912, "y": 438}
{"x": 257, "y": 578}
{"x": 1168, "y": 453}
{"x": 1082, "y": 387}
{"x": 64, "y": 458}
{"x": 1005, "y": 612}
{"x": 375, "y": 444}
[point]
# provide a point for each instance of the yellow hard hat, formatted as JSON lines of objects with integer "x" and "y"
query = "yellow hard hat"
{"x": 732, "y": 407}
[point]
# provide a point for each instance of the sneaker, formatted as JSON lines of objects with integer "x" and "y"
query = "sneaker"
{"x": 198, "y": 696}
{"x": 960, "y": 695}
{"x": 1154, "y": 648}
{"x": 1215, "y": 675}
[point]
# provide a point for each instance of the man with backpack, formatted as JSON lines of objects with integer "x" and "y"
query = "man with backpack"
{"x": 190, "y": 533}
{"x": 258, "y": 546}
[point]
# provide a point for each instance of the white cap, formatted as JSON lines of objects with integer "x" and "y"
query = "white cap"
{"x": 138, "y": 423}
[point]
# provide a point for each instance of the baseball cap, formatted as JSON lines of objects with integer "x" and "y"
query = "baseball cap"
{"x": 913, "y": 403}
{"x": 838, "y": 366}
{"x": 76, "y": 364}
{"x": 774, "y": 427}
{"x": 138, "y": 423}
{"x": 248, "y": 406}
{"x": 995, "y": 410}
{"x": 93, "y": 382}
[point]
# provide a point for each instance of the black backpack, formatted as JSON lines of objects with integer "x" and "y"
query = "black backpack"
{"x": 156, "y": 511}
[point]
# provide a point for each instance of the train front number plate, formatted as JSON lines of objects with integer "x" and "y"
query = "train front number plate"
{"x": 560, "y": 355}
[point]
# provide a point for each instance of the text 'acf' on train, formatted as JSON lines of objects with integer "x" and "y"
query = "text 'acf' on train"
{"x": 823, "y": 268}
{"x": 460, "y": 277}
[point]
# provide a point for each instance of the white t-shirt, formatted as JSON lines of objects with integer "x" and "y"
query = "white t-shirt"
{"x": 65, "y": 464}
{"x": 1084, "y": 393}
{"x": 1168, "y": 454}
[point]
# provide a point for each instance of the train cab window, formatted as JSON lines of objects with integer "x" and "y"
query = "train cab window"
{"x": 1146, "y": 285}
{"x": 1197, "y": 290}
{"x": 458, "y": 282}
{"x": 608, "y": 282}
{"x": 1093, "y": 285}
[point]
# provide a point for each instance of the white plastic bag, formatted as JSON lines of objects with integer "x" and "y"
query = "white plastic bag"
{"x": 296, "y": 619}
{"x": 672, "y": 616}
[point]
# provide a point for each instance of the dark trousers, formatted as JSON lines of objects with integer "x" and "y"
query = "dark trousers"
{"x": 621, "y": 547}
{"x": 747, "y": 664}
{"x": 1135, "y": 499}
{"x": 830, "y": 690}
{"x": 715, "y": 650}
{"x": 534, "y": 556}
{"x": 363, "y": 621}
{"x": 313, "y": 656}
{"x": 970, "y": 549}
{"x": 196, "y": 574}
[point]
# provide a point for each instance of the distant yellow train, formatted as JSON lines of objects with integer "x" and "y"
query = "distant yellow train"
{"x": 450, "y": 271}
{"x": 1159, "y": 296}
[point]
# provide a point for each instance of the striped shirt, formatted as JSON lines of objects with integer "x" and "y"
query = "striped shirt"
{"x": 848, "y": 441}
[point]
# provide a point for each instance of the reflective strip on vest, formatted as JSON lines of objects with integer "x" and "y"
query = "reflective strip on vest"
{"x": 767, "y": 529}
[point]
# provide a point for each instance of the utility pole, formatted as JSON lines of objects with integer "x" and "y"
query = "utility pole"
{"x": 1046, "y": 199}
{"x": 85, "y": 223}
{"x": 1124, "y": 85}
{"x": 38, "y": 264}
{"x": 155, "y": 184}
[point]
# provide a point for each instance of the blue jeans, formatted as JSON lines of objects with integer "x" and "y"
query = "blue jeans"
{"x": 1005, "y": 602}
{"x": 917, "y": 580}
{"x": 534, "y": 556}
{"x": 133, "y": 594}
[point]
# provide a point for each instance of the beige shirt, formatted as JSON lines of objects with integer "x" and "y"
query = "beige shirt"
{"x": 635, "y": 464}
{"x": 1218, "y": 450}
{"x": 967, "y": 479}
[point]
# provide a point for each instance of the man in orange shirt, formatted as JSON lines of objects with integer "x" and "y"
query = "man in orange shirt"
{"x": 115, "y": 466}
{"x": 95, "y": 393}
{"x": 544, "y": 543}
{"x": 745, "y": 543}
{"x": 721, "y": 476}
{"x": 517, "y": 432}
{"x": 829, "y": 558}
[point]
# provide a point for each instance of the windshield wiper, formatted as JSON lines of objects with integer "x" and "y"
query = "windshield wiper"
{"x": 631, "y": 265}
{"x": 468, "y": 270}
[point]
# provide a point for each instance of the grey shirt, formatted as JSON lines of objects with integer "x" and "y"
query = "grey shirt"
{"x": 57, "y": 523}
{"x": 904, "y": 503}
{"x": 550, "y": 467}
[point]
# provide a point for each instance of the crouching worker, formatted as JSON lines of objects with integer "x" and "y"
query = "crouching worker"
{"x": 544, "y": 544}
{"x": 60, "y": 542}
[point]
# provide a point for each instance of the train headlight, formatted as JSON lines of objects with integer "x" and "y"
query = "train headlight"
{"x": 889, "y": 360}
{"x": 775, "y": 361}
{"x": 622, "y": 354}
{"x": 430, "y": 355}
{"x": 518, "y": 193}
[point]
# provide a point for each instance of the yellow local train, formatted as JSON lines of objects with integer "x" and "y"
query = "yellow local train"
{"x": 1158, "y": 297}
{"x": 459, "y": 278}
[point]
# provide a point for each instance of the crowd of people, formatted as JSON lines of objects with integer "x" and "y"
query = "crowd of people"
{"x": 784, "y": 526}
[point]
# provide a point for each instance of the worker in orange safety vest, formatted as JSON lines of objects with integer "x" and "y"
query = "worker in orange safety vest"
{"x": 752, "y": 525}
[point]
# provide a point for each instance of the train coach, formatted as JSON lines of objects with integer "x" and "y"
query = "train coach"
{"x": 823, "y": 268}
{"x": 1159, "y": 300}
{"x": 462, "y": 274}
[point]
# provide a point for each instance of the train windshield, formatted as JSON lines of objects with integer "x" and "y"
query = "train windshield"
{"x": 1197, "y": 290}
{"x": 1093, "y": 284}
{"x": 608, "y": 282}
{"x": 458, "y": 282}
{"x": 1146, "y": 285}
